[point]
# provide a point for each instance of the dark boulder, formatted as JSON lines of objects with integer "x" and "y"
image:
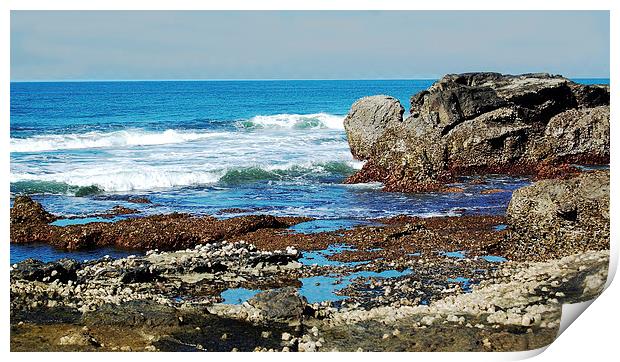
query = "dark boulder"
{"x": 140, "y": 274}
{"x": 479, "y": 123}
{"x": 283, "y": 305}
{"x": 62, "y": 270}
{"x": 137, "y": 313}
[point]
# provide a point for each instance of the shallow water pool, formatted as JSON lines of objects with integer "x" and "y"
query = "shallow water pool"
{"x": 47, "y": 253}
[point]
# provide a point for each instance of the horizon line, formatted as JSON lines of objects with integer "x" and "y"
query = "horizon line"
{"x": 247, "y": 79}
{"x": 204, "y": 79}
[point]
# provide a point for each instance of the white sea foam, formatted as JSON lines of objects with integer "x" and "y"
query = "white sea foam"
{"x": 176, "y": 158}
{"x": 365, "y": 185}
{"x": 140, "y": 137}
{"x": 135, "y": 137}
{"x": 119, "y": 178}
{"x": 123, "y": 179}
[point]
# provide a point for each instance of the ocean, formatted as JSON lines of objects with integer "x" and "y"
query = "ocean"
{"x": 261, "y": 147}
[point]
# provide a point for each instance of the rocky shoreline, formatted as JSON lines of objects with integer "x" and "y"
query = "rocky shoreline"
{"x": 517, "y": 307}
{"x": 404, "y": 283}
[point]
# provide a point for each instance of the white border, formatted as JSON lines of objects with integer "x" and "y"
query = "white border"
{"x": 594, "y": 336}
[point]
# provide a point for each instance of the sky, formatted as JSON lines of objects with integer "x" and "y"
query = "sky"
{"x": 145, "y": 45}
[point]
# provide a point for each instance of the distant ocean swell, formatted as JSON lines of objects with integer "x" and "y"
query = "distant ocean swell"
{"x": 142, "y": 137}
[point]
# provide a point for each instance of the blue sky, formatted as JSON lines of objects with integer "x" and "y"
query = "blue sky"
{"x": 98, "y": 45}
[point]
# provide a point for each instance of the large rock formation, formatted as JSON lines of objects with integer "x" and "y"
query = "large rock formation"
{"x": 479, "y": 123}
{"x": 368, "y": 118}
{"x": 554, "y": 218}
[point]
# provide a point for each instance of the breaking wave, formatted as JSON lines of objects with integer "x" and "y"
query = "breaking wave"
{"x": 141, "y": 137}
{"x": 53, "y": 187}
{"x": 293, "y": 121}
{"x": 97, "y": 139}
{"x": 91, "y": 182}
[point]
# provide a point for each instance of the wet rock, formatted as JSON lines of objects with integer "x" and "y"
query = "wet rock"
{"x": 26, "y": 210}
{"x": 139, "y": 313}
{"x": 41, "y": 315}
{"x": 119, "y": 197}
{"x": 478, "y": 123}
{"x": 554, "y": 218}
{"x": 122, "y": 210}
{"x": 453, "y": 189}
{"x": 492, "y": 191}
{"x": 234, "y": 210}
{"x": 62, "y": 270}
{"x": 164, "y": 232}
{"x": 280, "y": 305}
{"x": 139, "y": 200}
{"x": 142, "y": 274}
{"x": 29, "y": 221}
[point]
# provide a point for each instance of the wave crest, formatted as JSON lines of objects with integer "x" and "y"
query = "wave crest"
{"x": 141, "y": 137}
{"x": 293, "y": 121}
{"x": 93, "y": 181}
{"x": 97, "y": 139}
{"x": 53, "y": 187}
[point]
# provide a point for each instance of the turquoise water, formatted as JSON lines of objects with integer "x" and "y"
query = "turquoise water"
{"x": 494, "y": 258}
{"x": 320, "y": 257}
{"x": 82, "y": 221}
{"x": 238, "y": 295}
{"x": 464, "y": 282}
{"x": 319, "y": 226}
{"x": 318, "y": 288}
{"x": 454, "y": 254}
